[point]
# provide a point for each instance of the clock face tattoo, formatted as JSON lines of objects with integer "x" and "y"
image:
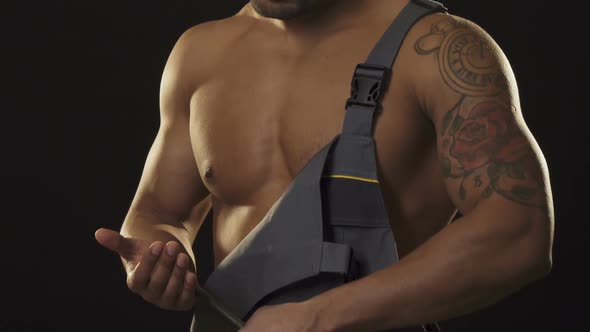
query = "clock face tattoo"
{"x": 468, "y": 64}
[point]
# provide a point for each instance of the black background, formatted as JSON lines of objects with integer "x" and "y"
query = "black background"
{"x": 80, "y": 110}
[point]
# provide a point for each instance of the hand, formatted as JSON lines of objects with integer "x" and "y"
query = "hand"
{"x": 158, "y": 272}
{"x": 288, "y": 317}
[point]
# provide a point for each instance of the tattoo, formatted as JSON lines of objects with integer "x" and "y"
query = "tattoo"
{"x": 477, "y": 181}
{"x": 465, "y": 60}
{"x": 482, "y": 146}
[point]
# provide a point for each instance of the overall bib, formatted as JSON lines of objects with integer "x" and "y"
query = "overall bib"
{"x": 330, "y": 226}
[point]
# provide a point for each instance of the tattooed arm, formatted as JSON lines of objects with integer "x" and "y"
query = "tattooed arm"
{"x": 484, "y": 145}
{"x": 495, "y": 174}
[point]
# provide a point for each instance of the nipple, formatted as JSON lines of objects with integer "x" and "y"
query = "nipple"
{"x": 209, "y": 172}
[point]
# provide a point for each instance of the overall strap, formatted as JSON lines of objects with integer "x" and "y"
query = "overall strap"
{"x": 370, "y": 78}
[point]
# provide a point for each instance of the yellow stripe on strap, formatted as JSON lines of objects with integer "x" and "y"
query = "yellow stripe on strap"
{"x": 350, "y": 177}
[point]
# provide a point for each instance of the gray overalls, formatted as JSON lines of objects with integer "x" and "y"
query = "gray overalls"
{"x": 331, "y": 225}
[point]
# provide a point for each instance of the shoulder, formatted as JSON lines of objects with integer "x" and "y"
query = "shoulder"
{"x": 453, "y": 57}
{"x": 206, "y": 40}
{"x": 199, "y": 48}
{"x": 448, "y": 35}
{"x": 212, "y": 36}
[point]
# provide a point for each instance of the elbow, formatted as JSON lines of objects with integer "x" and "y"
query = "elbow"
{"x": 539, "y": 267}
{"x": 541, "y": 246}
{"x": 536, "y": 261}
{"x": 526, "y": 266}
{"x": 531, "y": 252}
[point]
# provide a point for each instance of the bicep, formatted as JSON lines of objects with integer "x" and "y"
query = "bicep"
{"x": 171, "y": 184}
{"x": 484, "y": 146}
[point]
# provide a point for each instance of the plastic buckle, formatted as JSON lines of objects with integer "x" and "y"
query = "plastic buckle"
{"x": 431, "y": 4}
{"x": 368, "y": 84}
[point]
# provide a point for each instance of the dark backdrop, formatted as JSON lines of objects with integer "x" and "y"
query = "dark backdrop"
{"x": 80, "y": 106}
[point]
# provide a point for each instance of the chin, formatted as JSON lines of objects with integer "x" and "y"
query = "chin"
{"x": 282, "y": 9}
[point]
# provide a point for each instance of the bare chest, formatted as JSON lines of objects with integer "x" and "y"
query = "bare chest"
{"x": 262, "y": 116}
{"x": 268, "y": 115}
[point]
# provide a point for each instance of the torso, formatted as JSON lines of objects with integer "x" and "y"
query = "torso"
{"x": 263, "y": 110}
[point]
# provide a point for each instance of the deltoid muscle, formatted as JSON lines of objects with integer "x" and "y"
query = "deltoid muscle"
{"x": 482, "y": 142}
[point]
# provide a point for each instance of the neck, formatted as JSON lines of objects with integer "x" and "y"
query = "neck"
{"x": 333, "y": 16}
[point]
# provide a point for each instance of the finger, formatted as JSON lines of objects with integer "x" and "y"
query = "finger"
{"x": 108, "y": 238}
{"x": 138, "y": 280}
{"x": 187, "y": 296}
{"x": 162, "y": 270}
{"x": 176, "y": 282}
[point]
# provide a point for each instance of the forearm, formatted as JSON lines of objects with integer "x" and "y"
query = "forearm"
{"x": 463, "y": 268}
{"x": 152, "y": 227}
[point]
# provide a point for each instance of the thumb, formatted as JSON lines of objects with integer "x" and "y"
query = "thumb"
{"x": 112, "y": 240}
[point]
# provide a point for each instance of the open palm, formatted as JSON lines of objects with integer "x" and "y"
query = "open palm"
{"x": 160, "y": 273}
